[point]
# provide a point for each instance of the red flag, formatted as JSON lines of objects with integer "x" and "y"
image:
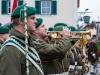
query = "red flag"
{"x": 13, "y": 7}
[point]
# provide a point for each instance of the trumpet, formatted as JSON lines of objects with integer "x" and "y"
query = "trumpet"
{"x": 83, "y": 40}
{"x": 82, "y": 32}
{"x": 54, "y": 34}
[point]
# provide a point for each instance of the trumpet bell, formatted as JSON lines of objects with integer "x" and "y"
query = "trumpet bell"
{"x": 54, "y": 34}
{"x": 87, "y": 33}
{"x": 83, "y": 41}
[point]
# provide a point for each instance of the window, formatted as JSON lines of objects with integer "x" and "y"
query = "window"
{"x": 6, "y": 6}
{"x": 9, "y": 6}
{"x": 46, "y": 7}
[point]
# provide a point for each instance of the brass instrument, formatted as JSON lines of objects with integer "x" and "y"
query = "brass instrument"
{"x": 73, "y": 46}
{"x": 83, "y": 32}
{"x": 85, "y": 61}
{"x": 82, "y": 40}
{"x": 54, "y": 34}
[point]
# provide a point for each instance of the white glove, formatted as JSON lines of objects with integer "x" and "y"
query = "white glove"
{"x": 93, "y": 54}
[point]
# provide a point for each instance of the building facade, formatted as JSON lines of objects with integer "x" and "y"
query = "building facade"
{"x": 52, "y": 11}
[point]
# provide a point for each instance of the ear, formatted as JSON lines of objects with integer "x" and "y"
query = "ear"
{"x": 21, "y": 21}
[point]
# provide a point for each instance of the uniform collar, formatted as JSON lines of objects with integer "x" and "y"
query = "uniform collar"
{"x": 1, "y": 42}
{"x": 16, "y": 33}
{"x": 34, "y": 36}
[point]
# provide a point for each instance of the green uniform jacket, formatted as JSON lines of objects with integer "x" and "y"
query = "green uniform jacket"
{"x": 49, "y": 52}
{"x": 71, "y": 57}
{"x": 68, "y": 60}
{"x": 75, "y": 55}
{"x": 13, "y": 62}
{"x": 72, "y": 62}
{"x": 80, "y": 56}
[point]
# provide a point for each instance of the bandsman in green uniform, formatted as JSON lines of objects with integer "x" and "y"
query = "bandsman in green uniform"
{"x": 48, "y": 39}
{"x": 4, "y": 34}
{"x": 64, "y": 62}
{"x": 13, "y": 52}
{"x": 76, "y": 55}
{"x": 80, "y": 56}
{"x": 69, "y": 63}
{"x": 50, "y": 53}
{"x": 68, "y": 60}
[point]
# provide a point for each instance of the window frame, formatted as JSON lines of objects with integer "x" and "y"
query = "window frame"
{"x": 8, "y": 7}
{"x": 46, "y": 7}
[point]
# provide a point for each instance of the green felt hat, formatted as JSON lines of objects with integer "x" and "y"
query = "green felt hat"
{"x": 17, "y": 11}
{"x": 9, "y": 25}
{"x": 60, "y": 24}
{"x": 83, "y": 30}
{"x": 72, "y": 28}
{"x": 50, "y": 29}
{"x": 77, "y": 30}
{"x": 4, "y": 29}
{"x": 58, "y": 28}
{"x": 39, "y": 22}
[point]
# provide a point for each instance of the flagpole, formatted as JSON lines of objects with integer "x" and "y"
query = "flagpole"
{"x": 26, "y": 38}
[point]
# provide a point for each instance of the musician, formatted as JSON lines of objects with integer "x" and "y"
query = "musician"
{"x": 92, "y": 52}
{"x": 77, "y": 52}
{"x": 4, "y": 34}
{"x": 49, "y": 33}
{"x": 79, "y": 67}
{"x": 13, "y": 53}
{"x": 68, "y": 59}
{"x": 50, "y": 53}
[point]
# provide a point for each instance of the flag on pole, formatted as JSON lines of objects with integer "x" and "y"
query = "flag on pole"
{"x": 13, "y": 5}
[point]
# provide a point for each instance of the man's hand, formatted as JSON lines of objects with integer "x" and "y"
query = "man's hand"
{"x": 66, "y": 31}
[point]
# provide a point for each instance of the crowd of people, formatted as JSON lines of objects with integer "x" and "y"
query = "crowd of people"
{"x": 48, "y": 53}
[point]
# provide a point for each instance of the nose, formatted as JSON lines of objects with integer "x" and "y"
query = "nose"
{"x": 45, "y": 28}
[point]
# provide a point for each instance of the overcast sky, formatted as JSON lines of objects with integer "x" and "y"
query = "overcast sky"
{"x": 93, "y": 6}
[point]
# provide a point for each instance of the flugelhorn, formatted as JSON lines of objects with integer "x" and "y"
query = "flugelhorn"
{"x": 54, "y": 34}
{"x": 82, "y": 32}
